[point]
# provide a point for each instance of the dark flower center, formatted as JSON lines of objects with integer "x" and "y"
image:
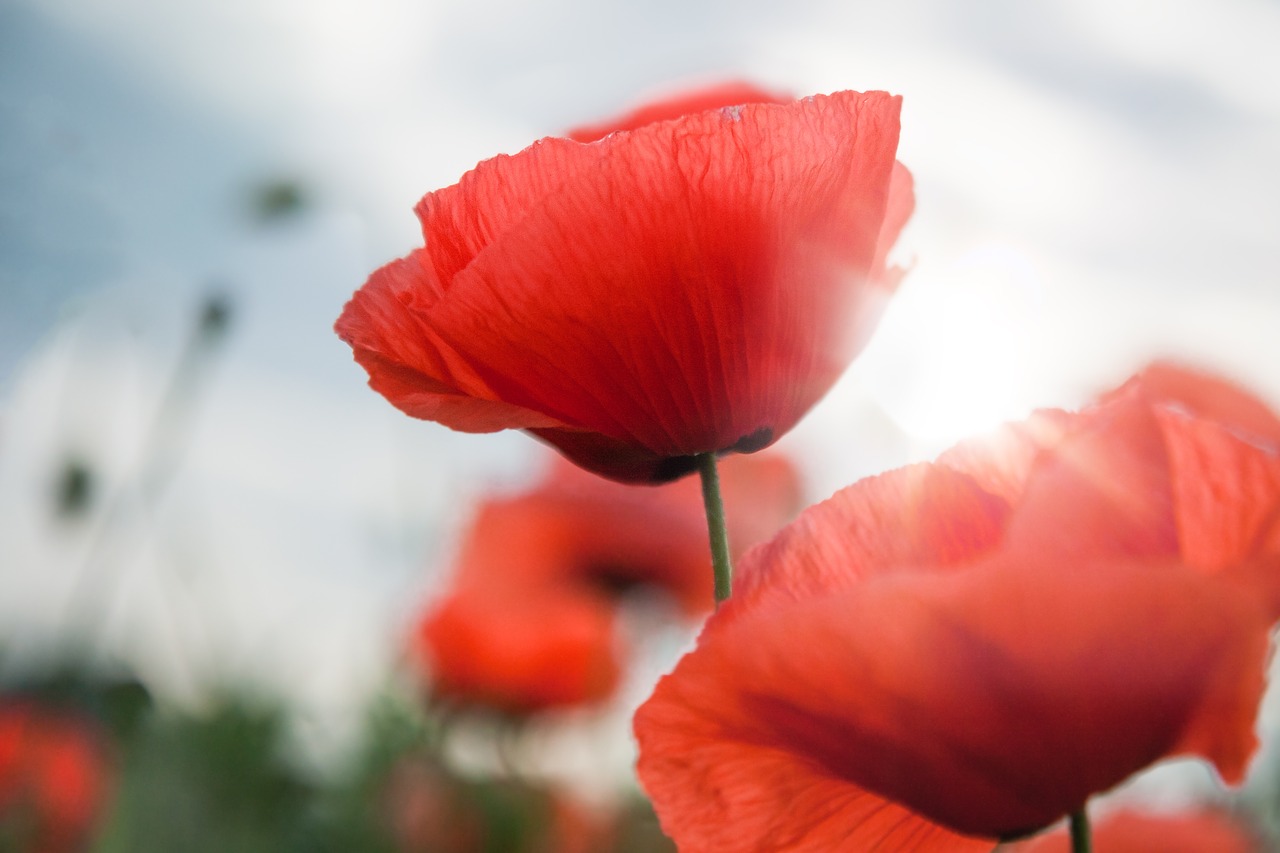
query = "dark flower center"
{"x": 614, "y": 580}
{"x": 758, "y": 440}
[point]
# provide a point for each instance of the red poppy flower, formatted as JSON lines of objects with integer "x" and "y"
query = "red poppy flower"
{"x": 53, "y": 779}
{"x": 1137, "y": 832}
{"x": 575, "y": 529}
{"x": 523, "y": 652}
{"x": 976, "y": 646}
{"x": 689, "y": 283}
{"x": 529, "y": 622}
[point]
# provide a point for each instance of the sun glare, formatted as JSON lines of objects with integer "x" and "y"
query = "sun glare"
{"x": 953, "y": 352}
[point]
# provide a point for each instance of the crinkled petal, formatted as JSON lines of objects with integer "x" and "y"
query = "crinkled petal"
{"x": 919, "y": 517}
{"x": 1205, "y": 396}
{"x": 993, "y": 701}
{"x": 1001, "y": 460}
{"x": 1226, "y": 490}
{"x": 1172, "y": 459}
{"x": 719, "y": 785}
{"x": 993, "y": 639}
{"x": 697, "y": 289}
{"x": 730, "y": 94}
{"x": 1103, "y": 490}
{"x": 1086, "y": 484}
{"x": 387, "y": 325}
{"x": 459, "y": 221}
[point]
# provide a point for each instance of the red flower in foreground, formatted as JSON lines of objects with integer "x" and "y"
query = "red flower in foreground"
{"x": 1136, "y": 832}
{"x": 978, "y": 645}
{"x": 52, "y": 778}
{"x": 530, "y": 620}
{"x": 690, "y": 283}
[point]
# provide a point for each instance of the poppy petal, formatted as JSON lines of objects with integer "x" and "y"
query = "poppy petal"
{"x": 600, "y": 540}
{"x": 1226, "y": 489}
{"x": 720, "y": 785}
{"x": 529, "y": 620}
{"x": 993, "y": 701}
{"x": 715, "y": 97}
{"x": 993, "y": 639}
{"x": 725, "y": 257}
{"x": 1001, "y": 460}
{"x": 55, "y": 776}
{"x": 1205, "y": 396}
{"x": 1103, "y": 490}
{"x": 577, "y": 529}
{"x": 902, "y": 203}
{"x": 386, "y": 325}
{"x": 521, "y": 654}
{"x": 615, "y": 458}
{"x": 914, "y": 518}
{"x": 459, "y": 221}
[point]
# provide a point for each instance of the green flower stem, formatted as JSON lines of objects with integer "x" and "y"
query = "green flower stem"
{"x": 1080, "y": 842}
{"x": 715, "y": 526}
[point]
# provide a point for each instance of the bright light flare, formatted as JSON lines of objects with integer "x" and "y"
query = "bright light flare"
{"x": 954, "y": 351}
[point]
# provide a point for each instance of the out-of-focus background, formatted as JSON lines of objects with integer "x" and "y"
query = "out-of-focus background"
{"x": 191, "y": 463}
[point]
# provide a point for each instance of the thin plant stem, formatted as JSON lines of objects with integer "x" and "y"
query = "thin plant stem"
{"x": 716, "y": 529}
{"x": 1080, "y": 840}
{"x": 86, "y": 609}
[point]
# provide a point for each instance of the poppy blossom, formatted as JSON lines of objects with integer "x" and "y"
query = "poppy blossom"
{"x": 687, "y": 283}
{"x": 517, "y": 654}
{"x": 957, "y": 652}
{"x": 53, "y": 777}
{"x": 575, "y": 529}
{"x": 1139, "y": 832}
{"x": 529, "y": 621}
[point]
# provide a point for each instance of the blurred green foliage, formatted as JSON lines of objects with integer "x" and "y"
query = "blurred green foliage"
{"x": 226, "y": 779}
{"x": 208, "y": 783}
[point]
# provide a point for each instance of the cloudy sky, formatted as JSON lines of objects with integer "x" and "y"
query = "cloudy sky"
{"x": 1096, "y": 182}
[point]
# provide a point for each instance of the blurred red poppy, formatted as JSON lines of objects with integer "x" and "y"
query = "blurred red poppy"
{"x": 529, "y": 622}
{"x": 53, "y": 778}
{"x": 522, "y": 651}
{"x": 691, "y": 282}
{"x": 575, "y": 529}
{"x": 1138, "y": 832}
{"x": 977, "y": 645}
